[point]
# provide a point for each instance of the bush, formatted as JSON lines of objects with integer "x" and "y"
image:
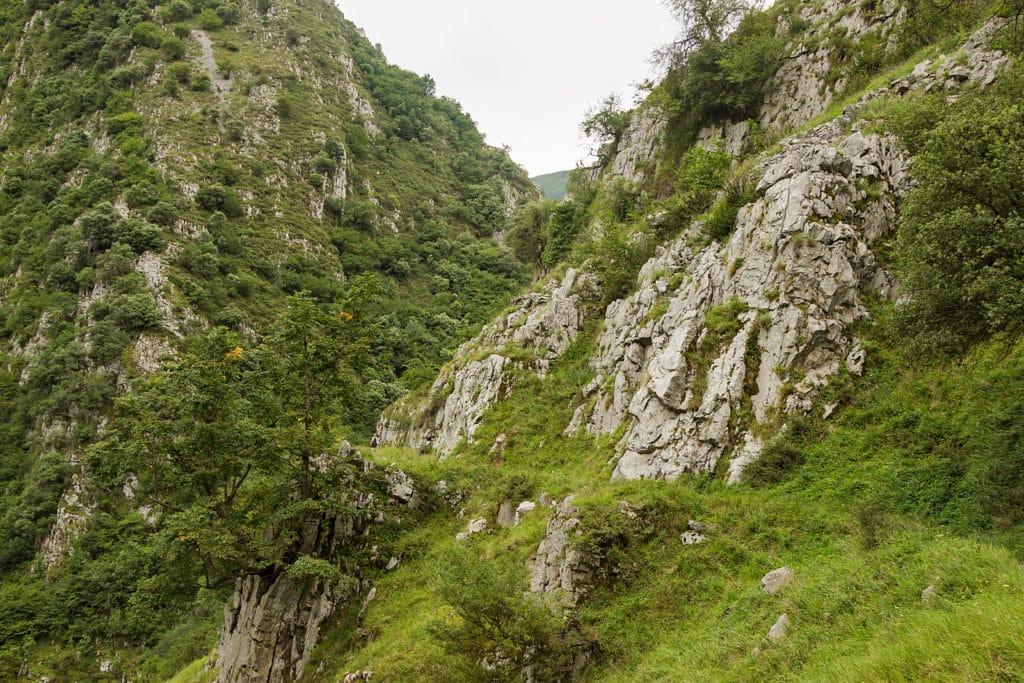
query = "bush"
{"x": 960, "y": 246}
{"x": 135, "y": 312}
{"x": 496, "y": 623}
{"x": 173, "y": 48}
{"x": 209, "y": 20}
{"x": 180, "y": 72}
{"x": 147, "y": 34}
{"x": 175, "y": 11}
{"x": 163, "y": 214}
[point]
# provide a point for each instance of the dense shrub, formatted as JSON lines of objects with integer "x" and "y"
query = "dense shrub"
{"x": 961, "y": 233}
{"x": 498, "y": 623}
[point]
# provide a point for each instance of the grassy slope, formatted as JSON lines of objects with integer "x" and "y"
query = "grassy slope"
{"x": 870, "y": 514}
{"x": 840, "y": 520}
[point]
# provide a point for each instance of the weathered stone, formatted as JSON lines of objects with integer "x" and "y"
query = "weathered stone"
{"x": 542, "y": 324}
{"x": 634, "y": 158}
{"x": 929, "y": 594}
{"x": 692, "y": 537}
{"x": 476, "y": 526}
{"x": 795, "y": 277}
{"x": 779, "y": 628}
{"x": 402, "y": 488}
{"x": 506, "y": 516}
{"x": 775, "y": 581}
{"x": 270, "y": 628}
{"x": 560, "y": 571}
{"x": 523, "y": 509}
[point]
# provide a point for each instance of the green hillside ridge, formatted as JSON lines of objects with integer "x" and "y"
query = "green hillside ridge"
{"x": 171, "y": 167}
{"x": 196, "y": 320}
{"x": 553, "y": 185}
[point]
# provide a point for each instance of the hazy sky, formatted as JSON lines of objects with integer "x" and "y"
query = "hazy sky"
{"x": 525, "y": 70}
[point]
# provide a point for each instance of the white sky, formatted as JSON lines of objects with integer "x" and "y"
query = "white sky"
{"x": 525, "y": 70}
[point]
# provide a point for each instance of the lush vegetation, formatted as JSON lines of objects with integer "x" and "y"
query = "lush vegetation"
{"x": 961, "y": 242}
{"x": 143, "y": 202}
{"x": 144, "y": 222}
{"x": 553, "y": 185}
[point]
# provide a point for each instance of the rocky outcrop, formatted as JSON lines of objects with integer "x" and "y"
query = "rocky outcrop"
{"x": 539, "y": 328}
{"x": 273, "y": 621}
{"x": 560, "y": 571}
{"x": 717, "y": 339}
{"x": 805, "y": 84}
{"x": 721, "y": 342}
{"x": 271, "y": 627}
{"x": 73, "y": 514}
{"x": 636, "y": 155}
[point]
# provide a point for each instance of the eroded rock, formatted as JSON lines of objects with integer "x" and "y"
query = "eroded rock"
{"x": 539, "y": 328}
{"x": 775, "y": 581}
{"x": 271, "y": 627}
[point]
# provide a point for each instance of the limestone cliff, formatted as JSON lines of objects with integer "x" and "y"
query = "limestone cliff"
{"x": 721, "y": 340}
{"x": 538, "y": 329}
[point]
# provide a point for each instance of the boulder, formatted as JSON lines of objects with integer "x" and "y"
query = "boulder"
{"x": 775, "y": 581}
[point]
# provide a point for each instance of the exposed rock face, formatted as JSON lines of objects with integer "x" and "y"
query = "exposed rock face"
{"x": 272, "y": 623}
{"x": 801, "y": 89}
{"x": 270, "y": 629}
{"x": 539, "y": 328}
{"x": 635, "y": 155}
{"x": 774, "y": 581}
{"x": 561, "y": 571}
{"x": 792, "y": 279}
{"x": 73, "y": 514}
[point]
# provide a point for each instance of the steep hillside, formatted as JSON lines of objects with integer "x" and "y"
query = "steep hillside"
{"x": 757, "y": 416}
{"x": 175, "y": 176}
{"x": 763, "y": 423}
{"x": 553, "y": 185}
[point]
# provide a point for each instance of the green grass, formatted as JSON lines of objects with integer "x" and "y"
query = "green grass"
{"x": 196, "y": 672}
{"x": 850, "y": 520}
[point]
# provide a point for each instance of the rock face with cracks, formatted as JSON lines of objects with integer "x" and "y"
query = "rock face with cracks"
{"x": 270, "y": 628}
{"x": 539, "y": 328}
{"x": 757, "y": 323}
{"x": 560, "y": 571}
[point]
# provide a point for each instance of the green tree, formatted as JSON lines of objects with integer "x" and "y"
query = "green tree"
{"x": 528, "y": 231}
{"x": 961, "y": 234}
{"x": 496, "y": 622}
{"x": 605, "y": 125}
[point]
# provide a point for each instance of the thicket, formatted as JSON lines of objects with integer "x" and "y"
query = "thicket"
{"x": 960, "y": 248}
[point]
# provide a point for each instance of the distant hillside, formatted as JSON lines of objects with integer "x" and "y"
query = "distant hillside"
{"x": 553, "y": 185}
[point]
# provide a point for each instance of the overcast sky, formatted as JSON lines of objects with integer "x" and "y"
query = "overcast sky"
{"x": 525, "y": 70}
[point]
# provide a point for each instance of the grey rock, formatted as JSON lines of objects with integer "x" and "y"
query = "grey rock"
{"x": 270, "y": 628}
{"x": 402, "y": 488}
{"x": 929, "y": 594}
{"x": 506, "y": 516}
{"x": 779, "y": 629}
{"x": 523, "y": 509}
{"x": 775, "y": 581}
{"x": 692, "y": 537}
{"x": 476, "y": 526}
{"x": 542, "y": 324}
{"x": 560, "y": 572}
{"x": 73, "y": 514}
{"x": 640, "y": 143}
{"x": 801, "y": 276}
